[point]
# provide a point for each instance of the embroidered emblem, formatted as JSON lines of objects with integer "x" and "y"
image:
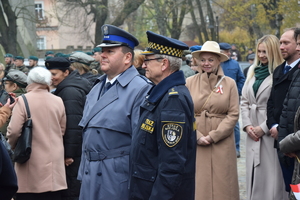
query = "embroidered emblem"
{"x": 173, "y": 91}
{"x": 171, "y": 134}
{"x": 105, "y": 30}
{"x": 148, "y": 126}
{"x": 220, "y": 89}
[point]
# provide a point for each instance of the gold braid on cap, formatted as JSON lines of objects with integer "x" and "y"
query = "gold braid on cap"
{"x": 171, "y": 51}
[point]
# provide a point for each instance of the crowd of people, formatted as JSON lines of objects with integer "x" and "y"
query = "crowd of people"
{"x": 159, "y": 123}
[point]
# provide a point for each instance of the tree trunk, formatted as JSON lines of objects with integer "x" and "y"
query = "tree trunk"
{"x": 198, "y": 28}
{"x": 8, "y": 29}
{"x": 177, "y": 21}
{"x": 211, "y": 24}
{"x": 203, "y": 24}
{"x": 100, "y": 14}
{"x": 160, "y": 17}
{"x": 129, "y": 7}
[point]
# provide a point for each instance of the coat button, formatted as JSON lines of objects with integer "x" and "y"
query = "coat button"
{"x": 148, "y": 104}
{"x": 86, "y": 172}
{"x": 99, "y": 173}
{"x": 135, "y": 172}
{"x": 98, "y": 131}
{"x": 152, "y": 178}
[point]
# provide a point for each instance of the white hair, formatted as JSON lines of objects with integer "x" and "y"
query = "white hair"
{"x": 39, "y": 75}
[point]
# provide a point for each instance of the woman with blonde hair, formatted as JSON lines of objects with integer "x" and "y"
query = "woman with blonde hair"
{"x": 81, "y": 62}
{"x": 263, "y": 173}
{"x": 216, "y": 104}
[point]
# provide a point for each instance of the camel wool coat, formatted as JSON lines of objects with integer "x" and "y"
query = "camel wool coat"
{"x": 216, "y": 167}
{"x": 45, "y": 170}
{"x": 262, "y": 164}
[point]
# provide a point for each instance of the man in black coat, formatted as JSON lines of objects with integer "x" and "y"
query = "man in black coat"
{"x": 72, "y": 88}
{"x": 281, "y": 82}
{"x": 163, "y": 152}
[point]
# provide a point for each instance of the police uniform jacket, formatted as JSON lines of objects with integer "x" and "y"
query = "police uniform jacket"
{"x": 108, "y": 123}
{"x": 164, "y": 144}
{"x": 232, "y": 69}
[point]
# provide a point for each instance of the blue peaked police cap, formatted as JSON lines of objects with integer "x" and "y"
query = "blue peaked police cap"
{"x": 159, "y": 44}
{"x": 224, "y": 46}
{"x": 195, "y": 48}
{"x": 114, "y": 37}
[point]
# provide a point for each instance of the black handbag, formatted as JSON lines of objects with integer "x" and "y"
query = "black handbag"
{"x": 22, "y": 150}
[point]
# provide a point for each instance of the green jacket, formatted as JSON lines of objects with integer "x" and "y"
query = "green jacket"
{"x": 23, "y": 68}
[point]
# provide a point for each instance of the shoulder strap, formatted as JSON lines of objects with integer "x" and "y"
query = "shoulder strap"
{"x": 26, "y": 105}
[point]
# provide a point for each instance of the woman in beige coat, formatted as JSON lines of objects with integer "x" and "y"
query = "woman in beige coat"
{"x": 216, "y": 105}
{"x": 263, "y": 174}
{"x": 43, "y": 175}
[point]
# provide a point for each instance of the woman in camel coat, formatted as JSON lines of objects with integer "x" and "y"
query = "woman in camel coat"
{"x": 43, "y": 175}
{"x": 216, "y": 105}
{"x": 263, "y": 174}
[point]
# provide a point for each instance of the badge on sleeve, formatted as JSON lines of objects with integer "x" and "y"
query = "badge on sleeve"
{"x": 171, "y": 134}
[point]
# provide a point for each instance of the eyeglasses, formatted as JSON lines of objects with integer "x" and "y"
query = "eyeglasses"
{"x": 146, "y": 61}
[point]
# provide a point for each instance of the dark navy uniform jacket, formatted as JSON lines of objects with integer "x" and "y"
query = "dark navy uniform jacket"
{"x": 164, "y": 144}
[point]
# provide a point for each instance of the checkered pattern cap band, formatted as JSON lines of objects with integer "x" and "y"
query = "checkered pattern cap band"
{"x": 161, "y": 49}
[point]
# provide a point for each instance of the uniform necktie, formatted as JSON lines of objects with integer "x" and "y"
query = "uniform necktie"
{"x": 286, "y": 69}
{"x": 106, "y": 87}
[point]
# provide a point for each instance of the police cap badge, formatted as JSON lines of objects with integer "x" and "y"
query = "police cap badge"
{"x": 114, "y": 37}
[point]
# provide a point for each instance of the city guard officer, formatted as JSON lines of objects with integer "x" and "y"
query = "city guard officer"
{"x": 110, "y": 114}
{"x": 163, "y": 149}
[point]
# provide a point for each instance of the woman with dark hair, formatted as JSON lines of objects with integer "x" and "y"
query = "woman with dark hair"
{"x": 72, "y": 88}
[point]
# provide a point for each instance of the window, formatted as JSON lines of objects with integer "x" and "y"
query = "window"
{"x": 39, "y": 10}
{"x": 41, "y": 42}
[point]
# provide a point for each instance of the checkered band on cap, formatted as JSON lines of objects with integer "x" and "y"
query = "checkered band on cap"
{"x": 171, "y": 51}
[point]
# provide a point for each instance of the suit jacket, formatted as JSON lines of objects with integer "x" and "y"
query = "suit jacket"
{"x": 108, "y": 123}
{"x": 281, "y": 83}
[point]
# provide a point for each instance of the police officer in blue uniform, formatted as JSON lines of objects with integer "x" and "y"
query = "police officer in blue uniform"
{"x": 164, "y": 144}
{"x": 110, "y": 114}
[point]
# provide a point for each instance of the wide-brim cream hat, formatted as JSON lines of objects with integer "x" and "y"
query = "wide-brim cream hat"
{"x": 210, "y": 47}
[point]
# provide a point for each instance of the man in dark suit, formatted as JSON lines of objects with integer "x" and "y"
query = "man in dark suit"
{"x": 282, "y": 78}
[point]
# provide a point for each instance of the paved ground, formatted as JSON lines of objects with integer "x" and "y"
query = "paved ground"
{"x": 241, "y": 162}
